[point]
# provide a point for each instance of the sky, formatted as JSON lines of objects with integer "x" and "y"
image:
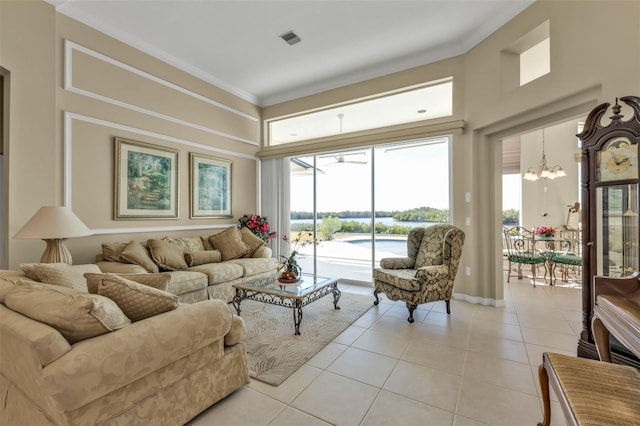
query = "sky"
{"x": 405, "y": 179}
{"x": 511, "y": 192}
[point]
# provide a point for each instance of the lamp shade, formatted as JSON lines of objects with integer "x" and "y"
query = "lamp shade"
{"x": 53, "y": 222}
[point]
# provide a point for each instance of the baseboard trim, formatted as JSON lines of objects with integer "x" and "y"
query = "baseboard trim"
{"x": 479, "y": 300}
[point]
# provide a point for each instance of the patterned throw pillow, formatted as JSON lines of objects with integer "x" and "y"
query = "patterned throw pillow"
{"x": 187, "y": 244}
{"x": 254, "y": 242}
{"x": 159, "y": 281}
{"x": 60, "y": 274}
{"x": 76, "y": 315}
{"x": 138, "y": 255}
{"x": 167, "y": 256}
{"x": 137, "y": 301}
{"x": 230, "y": 243}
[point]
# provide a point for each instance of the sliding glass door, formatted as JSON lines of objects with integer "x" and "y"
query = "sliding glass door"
{"x": 411, "y": 189}
{"x": 360, "y": 204}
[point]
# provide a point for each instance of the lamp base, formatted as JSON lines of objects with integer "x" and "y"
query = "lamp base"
{"x": 56, "y": 252}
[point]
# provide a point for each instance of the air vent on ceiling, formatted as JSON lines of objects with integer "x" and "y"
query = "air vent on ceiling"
{"x": 291, "y": 38}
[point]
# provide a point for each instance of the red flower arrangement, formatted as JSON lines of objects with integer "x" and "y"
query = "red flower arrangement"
{"x": 258, "y": 225}
{"x": 545, "y": 231}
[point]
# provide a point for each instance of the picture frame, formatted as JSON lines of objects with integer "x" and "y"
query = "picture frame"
{"x": 210, "y": 192}
{"x": 146, "y": 181}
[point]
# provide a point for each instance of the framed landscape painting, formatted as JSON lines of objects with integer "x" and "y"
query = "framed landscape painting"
{"x": 146, "y": 181}
{"x": 210, "y": 187}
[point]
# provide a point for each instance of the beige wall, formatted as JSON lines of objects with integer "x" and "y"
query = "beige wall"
{"x": 73, "y": 89}
{"x": 595, "y": 57}
{"x": 549, "y": 208}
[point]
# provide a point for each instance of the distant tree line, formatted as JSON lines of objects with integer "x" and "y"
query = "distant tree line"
{"x": 423, "y": 214}
{"x": 510, "y": 217}
{"x": 331, "y": 223}
{"x": 420, "y": 214}
{"x": 346, "y": 214}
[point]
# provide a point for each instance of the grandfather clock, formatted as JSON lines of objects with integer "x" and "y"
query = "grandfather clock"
{"x": 609, "y": 185}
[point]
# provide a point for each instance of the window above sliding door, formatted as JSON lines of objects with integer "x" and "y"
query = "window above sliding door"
{"x": 417, "y": 103}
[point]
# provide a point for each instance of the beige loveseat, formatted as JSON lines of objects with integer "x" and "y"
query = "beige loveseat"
{"x": 161, "y": 370}
{"x": 201, "y": 268}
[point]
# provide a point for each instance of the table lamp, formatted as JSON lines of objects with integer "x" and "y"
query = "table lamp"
{"x": 54, "y": 225}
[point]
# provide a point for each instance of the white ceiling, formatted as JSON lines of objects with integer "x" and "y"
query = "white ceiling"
{"x": 236, "y": 46}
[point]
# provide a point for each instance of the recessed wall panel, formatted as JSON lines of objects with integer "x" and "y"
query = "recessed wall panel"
{"x": 92, "y": 74}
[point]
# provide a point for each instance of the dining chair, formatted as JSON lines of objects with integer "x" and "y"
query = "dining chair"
{"x": 565, "y": 252}
{"x": 521, "y": 250}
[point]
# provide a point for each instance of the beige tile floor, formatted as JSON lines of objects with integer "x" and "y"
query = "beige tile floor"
{"x": 476, "y": 366}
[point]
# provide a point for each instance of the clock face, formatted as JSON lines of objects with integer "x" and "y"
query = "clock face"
{"x": 618, "y": 160}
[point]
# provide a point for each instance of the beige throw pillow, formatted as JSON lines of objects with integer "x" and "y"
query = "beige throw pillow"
{"x": 29, "y": 269}
{"x": 187, "y": 244}
{"x": 60, "y": 274}
{"x": 203, "y": 257}
{"x": 254, "y": 242}
{"x": 206, "y": 243}
{"x": 167, "y": 256}
{"x": 76, "y": 315}
{"x": 158, "y": 281}
{"x": 137, "y": 301}
{"x": 135, "y": 253}
{"x": 112, "y": 251}
{"x": 229, "y": 243}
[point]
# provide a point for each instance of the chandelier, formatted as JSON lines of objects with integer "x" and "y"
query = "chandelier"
{"x": 543, "y": 171}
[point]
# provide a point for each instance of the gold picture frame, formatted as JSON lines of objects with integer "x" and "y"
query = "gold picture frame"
{"x": 146, "y": 181}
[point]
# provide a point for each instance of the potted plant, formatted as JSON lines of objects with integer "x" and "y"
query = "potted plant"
{"x": 290, "y": 270}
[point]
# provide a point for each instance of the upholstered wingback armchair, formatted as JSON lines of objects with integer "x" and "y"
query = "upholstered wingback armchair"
{"x": 427, "y": 273}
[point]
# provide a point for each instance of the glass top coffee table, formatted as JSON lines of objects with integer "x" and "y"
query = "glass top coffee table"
{"x": 297, "y": 295}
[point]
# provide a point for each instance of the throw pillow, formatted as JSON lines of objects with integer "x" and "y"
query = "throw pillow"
{"x": 203, "y": 257}
{"x": 137, "y": 301}
{"x": 158, "y": 281}
{"x": 167, "y": 256}
{"x": 135, "y": 253}
{"x": 60, "y": 274}
{"x": 112, "y": 251}
{"x": 229, "y": 243}
{"x": 206, "y": 243}
{"x": 252, "y": 240}
{"x": 187, "y": 244}
{"x": 29, "y": 270}
{"x": 76, "y": 315}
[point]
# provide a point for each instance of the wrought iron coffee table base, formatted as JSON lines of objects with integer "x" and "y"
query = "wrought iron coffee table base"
{"x": 288, "y": 300}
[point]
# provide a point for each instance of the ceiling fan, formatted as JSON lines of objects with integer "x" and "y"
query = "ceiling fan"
{"x": 340, "y": 158}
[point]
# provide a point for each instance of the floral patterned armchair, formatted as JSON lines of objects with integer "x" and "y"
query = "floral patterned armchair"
{"x": 427, "y": 273}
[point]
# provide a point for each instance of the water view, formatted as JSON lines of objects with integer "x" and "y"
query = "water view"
{"x": 384, "y": 220}
{"x": 397, "y": 246}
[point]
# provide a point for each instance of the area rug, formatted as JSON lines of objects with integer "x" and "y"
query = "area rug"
{"x": 275, "y": 352}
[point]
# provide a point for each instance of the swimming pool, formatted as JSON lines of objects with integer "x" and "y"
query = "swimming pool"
{"x": 390, "y": 245}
